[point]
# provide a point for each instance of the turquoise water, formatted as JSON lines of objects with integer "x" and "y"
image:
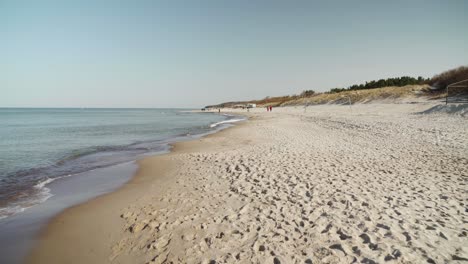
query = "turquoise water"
{"x": 38, "y": 146}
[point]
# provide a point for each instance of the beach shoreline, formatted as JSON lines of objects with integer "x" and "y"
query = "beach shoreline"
{"x": 50, "y": 246}
{"x": 327, "y": 184}
{"x": 113, "y": 167}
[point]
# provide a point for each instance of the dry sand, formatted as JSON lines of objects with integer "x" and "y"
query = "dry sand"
{"x": 328, "y": 184}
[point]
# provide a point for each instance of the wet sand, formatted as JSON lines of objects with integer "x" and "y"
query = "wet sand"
{"x": 328, "y": 184}
{"x": 19, "y": 232}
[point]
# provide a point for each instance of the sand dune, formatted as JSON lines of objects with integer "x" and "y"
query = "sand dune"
{"x": 327, "y": 184}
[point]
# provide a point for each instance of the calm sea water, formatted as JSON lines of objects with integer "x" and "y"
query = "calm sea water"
{"x": 38, "y": 146}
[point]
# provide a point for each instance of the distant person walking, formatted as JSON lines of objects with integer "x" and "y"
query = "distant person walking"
{"x": 268, "y": 108}
{"x": 271, "y": 108}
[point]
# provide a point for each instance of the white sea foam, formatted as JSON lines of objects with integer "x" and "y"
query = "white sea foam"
{"x": 43, "y": 183}
{"x": 11, "y": 210}
{"x": 226, "y": 122}
{"x": 41, "y": 196}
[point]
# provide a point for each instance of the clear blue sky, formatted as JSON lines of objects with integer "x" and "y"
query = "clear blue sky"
{"x": 194, "y": 53}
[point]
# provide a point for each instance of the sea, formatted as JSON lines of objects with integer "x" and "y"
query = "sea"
{"x": 53, "y": 158}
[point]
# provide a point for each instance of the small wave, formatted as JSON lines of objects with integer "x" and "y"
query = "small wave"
{"x": 43, "y": 194}
{"x": 43, "y": 183}
{"x": 226, "y": 122}
{"x": 76, "y": 154}
{"x": 11, "y": 210}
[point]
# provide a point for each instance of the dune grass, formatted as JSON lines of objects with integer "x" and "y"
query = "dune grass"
{"x": 363, "y": 96}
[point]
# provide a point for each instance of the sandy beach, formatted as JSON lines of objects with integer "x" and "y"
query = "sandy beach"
{"x": 368, "y": 183}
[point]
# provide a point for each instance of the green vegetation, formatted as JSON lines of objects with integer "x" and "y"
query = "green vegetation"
{"x": 398, "y": 82}
{"x": 439, "y": 81}
{"x": 366, "y": 95}
{"x": 399, "y": 87}
{"x": 307, "y": 93}
{"x": 336, "y": 90}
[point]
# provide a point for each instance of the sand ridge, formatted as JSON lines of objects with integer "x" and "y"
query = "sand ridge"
{"x": 328, "y": 184}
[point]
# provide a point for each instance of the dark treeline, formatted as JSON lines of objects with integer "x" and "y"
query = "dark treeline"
{"x": 439, "y": 81}
{"x": 448, "y": 77}
{"x": 399, "y": 81}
